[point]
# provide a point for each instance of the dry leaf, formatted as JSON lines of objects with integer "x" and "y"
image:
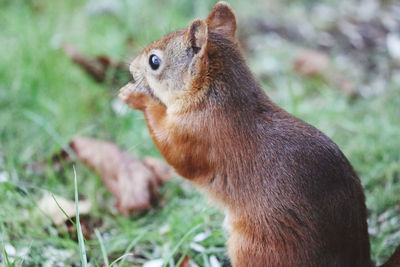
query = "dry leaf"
{"x": 96, "y": 67}
{"x": 88, "y": 224}
{"x": 163, "y": 171}
{"x": 49, "y": 206}
{"x": 311, "y": 63}
{"x": 345, "y": 85}
{"x": 185, "y": 262}
{"x": 130, "y": 181}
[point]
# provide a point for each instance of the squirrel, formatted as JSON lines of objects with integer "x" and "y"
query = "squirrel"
{"x": 292, "y": 197}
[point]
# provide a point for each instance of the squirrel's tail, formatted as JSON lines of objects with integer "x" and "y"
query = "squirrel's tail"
{"x": 394, "y": 260}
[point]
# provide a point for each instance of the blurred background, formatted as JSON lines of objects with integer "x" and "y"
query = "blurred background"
{"x": 334, "y": 64}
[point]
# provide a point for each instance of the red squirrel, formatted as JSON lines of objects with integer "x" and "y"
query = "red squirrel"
{"x": 292, "y": 197}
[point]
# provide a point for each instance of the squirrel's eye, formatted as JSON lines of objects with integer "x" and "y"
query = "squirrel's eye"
{"x": 154, "y": 62}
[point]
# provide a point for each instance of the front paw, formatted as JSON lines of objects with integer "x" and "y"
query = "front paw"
{"x": 134, "y": 98}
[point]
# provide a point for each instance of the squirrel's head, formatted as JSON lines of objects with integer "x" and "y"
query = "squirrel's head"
{"x": 176, "y": 67}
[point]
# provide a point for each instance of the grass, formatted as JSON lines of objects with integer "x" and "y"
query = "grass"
{"x": 45, "y": 100}
{"x": 81, "y": 242}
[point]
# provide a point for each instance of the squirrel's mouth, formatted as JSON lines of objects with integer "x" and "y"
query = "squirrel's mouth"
{"x": 145, "y": 90}
{"x": 142, "y": 88}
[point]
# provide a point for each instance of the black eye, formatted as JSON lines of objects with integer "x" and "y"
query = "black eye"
{"x": 154, "y": 62}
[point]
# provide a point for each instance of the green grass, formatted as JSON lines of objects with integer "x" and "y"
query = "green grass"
{"x": 45, "y": 100}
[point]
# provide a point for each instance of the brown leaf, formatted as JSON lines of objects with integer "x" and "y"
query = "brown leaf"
{"x": 92, "y": 66}
{"x": 163, "y": 171}
{"x": 185, "y": 262}
{"x": 72, "y": 229}
{"x": 345, "y": 85}
{"x": 88, "y": 224}
{"x": 96, "y": 67}
{"x": 311, "y": 63}
{"x": 130, "y": 181}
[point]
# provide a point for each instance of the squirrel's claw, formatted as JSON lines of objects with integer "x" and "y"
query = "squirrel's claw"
{"x": 133, "y": 96}
{"x": 126, "y": 92}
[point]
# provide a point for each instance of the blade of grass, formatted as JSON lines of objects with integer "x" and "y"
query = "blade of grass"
{"x": 120, "y": 258}
{"x": 82, "y": 251}
{"x": 205, "y": 260}
{"x": 183, "y": 239}
{"x": 134, "y": 242}
{"x": 62, "y": 210}
{"x": 8, "y": 263}
{"x": 102, "y": 247}
{"x": 183, "y": 256}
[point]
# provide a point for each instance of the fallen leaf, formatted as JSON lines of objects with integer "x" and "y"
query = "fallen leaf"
{"x": 185, "y": 262}
{"x": 98, "y": 66}
{"x": 95, "y": 68}
{"x": 88, "y": 224}
{"x": 49, "y": 206}
{"x": 311, "y": 63}
{"x": 163, "y": 171}
{"x": 345, "y": 85}
{"x": 133, "y": 183}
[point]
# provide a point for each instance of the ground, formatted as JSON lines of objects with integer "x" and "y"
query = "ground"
{"x": 46, "y": 99}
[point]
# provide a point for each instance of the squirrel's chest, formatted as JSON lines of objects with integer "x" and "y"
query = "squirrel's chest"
{"x": 183, "y": 144}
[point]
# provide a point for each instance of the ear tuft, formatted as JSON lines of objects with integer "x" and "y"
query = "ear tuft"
{"x": 223, "y": 20}
{"x": 196, "y": 35}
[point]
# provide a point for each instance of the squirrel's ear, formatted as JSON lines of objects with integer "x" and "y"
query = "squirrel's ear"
{"x": 223, "y": 20}
{"x": 196, "y": 35}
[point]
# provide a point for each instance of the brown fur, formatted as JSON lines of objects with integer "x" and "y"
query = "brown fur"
{"x": 293, "y": 198}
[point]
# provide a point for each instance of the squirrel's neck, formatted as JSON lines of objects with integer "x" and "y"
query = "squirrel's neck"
{"x": 231, "y": 83}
